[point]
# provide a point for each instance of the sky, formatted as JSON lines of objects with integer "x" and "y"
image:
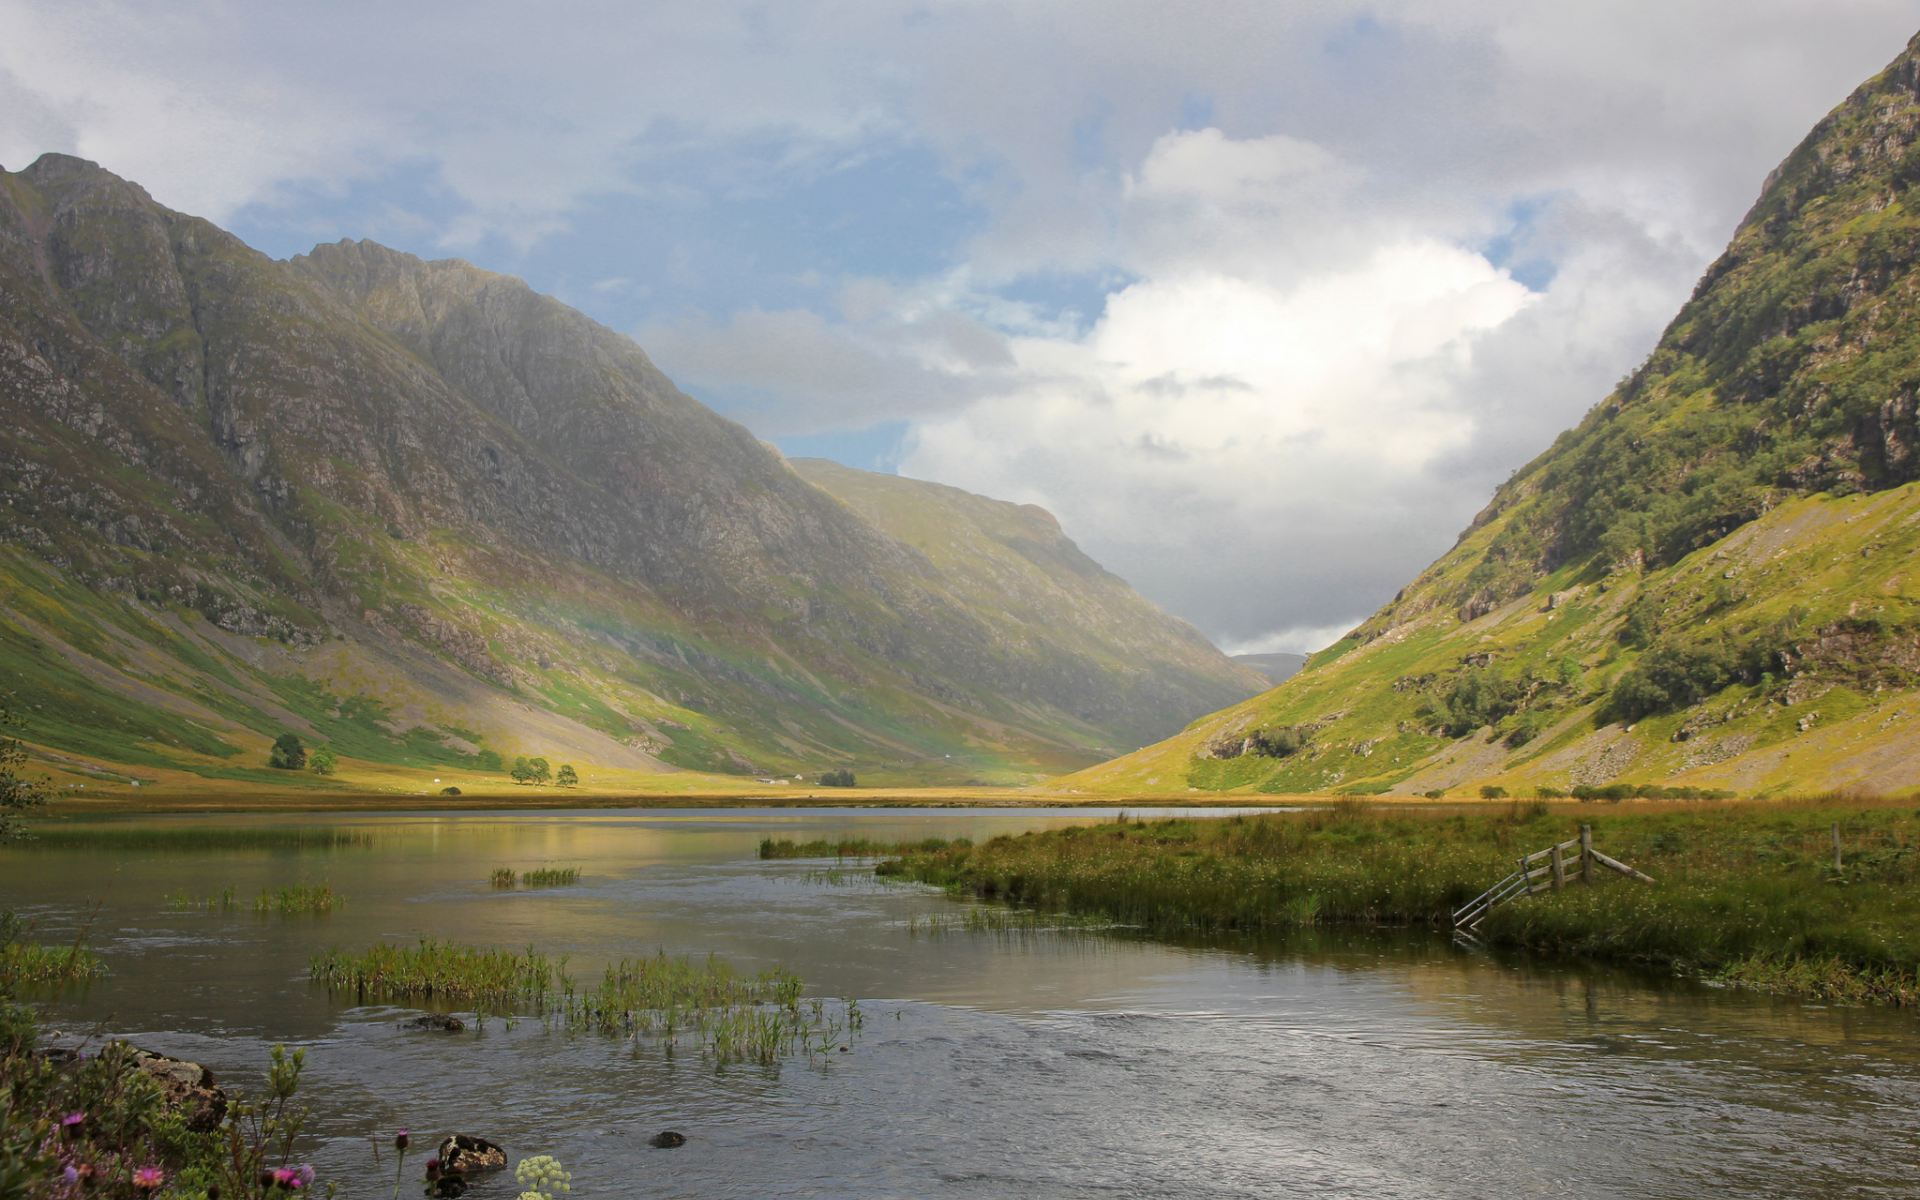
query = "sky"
{"x": 1262, "y": 300}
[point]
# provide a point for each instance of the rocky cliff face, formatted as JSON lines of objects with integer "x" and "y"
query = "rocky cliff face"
{"x": 361, "y": 449}
{"x": 1709, "y": 582}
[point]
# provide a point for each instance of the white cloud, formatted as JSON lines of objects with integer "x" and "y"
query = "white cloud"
{"x": 1300, "y": 372}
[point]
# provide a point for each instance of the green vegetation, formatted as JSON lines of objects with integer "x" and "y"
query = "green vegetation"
{"x": 531, "y": 770}
{"x": 323, "y": 761}
{"x": 288, "y": 754}
{"x": 104, "y": 1123}
{"x": 49, "y": 835}
{"x": 25, "y": 964}
{"x": 566, "y": 776}
{"x": 224, "y": 899}
{"x": 505, "y": 877}
{"x": 293, "y": 899}
{"x": 851, "y": 847}
{"x": 1746, "y": 892}
{"x": 839, "y": 778}
{"x": 18, "y": 794}
{"x": 759, "y": 1017}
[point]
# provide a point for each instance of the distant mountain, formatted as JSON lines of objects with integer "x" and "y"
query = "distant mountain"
{"x": 1277, "y": 667}
{"x": 1713, "y": 581}
{"x": 418, "y": 511}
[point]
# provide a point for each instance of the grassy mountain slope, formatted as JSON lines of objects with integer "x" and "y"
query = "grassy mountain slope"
{"x": 419, "y": 512}
{"x": 1710, "y": 582}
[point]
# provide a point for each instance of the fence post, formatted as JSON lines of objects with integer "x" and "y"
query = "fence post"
{"x": 1836, "y": 846}
{"x": 1559, "y": 868}
{"x": 1586, "y": 854}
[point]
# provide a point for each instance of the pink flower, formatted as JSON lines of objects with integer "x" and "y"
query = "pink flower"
{"x": 149, "y": 1179}
{"x": 288, "y": 1178}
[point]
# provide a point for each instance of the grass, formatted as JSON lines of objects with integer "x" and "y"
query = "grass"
{"x": 505, "y": 877}
{"x": 23, "y": 963}
{"x": 735, "y": 1017}
{"x": 850, "y": 847}
{"x": 298, "y": 898}
{"x": 223, "y": 899}
{"x": 50, "y": 836}
{"x": 1746, "y": 892}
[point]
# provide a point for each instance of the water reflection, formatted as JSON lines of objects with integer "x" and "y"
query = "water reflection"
{"x": 1333, "y": 1062}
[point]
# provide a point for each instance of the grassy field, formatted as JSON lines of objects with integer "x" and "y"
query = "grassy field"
{"x": 1744, "y": 892}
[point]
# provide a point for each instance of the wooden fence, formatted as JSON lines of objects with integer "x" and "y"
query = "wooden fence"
{"x": 1541, "y": 871}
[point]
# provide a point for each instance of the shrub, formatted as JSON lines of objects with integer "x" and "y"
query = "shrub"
{"x": 1492, "y": 792}
{"x": 449, "y": 791}
{"x": 287, "y": 753}
{"x": 322, "y": 762}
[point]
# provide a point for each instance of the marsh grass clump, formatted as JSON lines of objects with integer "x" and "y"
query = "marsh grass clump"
{"x": 551, "y": 877}
{"x": 27, "y": 965}
{"x": 852, "y": 847}
{"x": 297, "y": 898}
{"x": 1747, "y": 892}
{"x": 733, "y": 1016}
{"x": 502, "y": 877}
{"x": 50, "y": 835}
{"x": 223, "y": 900}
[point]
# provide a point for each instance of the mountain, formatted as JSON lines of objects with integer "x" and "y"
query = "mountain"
{"x": 1277, "y": 667}
{"x": 421, "y": 513}
{"x": 1711, "y": 582}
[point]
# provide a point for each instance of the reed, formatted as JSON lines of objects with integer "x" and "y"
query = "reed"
{"x": 224, "y": 899}
{"x": 25, "y": 964}
{"x": 1747, "y": 892}
{"x": 50, "y": 835}
{"x": 852, "y": 847}
{"x": 734, "y": 1016}
{"x": 503, "y": 877}
{"x": 551, "y": 877}
{"x": 298, "y": 898}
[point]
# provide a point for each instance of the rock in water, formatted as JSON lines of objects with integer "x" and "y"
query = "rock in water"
{"x": 667, "y": 1139}
{"x": 465, "y": 1154}
{"x": 186, "y": 1088}
{"x": 440, "y": 1021}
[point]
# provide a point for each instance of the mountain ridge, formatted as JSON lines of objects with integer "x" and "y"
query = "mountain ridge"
{"x": 430, "y": 486}
{"x": 1706, "y": 583}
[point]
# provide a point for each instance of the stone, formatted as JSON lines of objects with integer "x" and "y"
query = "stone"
{"x": 465, "y": 1154}
{"x": 186, "y": 1088}
{"x": 436, "y": 1021}
{"x": 667, "y": 1139}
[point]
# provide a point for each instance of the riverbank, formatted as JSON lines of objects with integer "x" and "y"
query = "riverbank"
{"x": 1745, "y": 893}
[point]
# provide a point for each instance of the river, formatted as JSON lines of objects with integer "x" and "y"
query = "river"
{"x": 1027, "y": 1064}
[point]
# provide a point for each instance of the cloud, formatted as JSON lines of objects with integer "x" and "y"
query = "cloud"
{"x": 1262, "y": 299}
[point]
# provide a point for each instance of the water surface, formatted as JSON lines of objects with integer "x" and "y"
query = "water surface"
{"x": 1340, "y": 1063}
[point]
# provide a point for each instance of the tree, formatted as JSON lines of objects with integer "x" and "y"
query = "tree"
{"x": 322, "y": 761}
{"x": 840, "y": 778}
{"x": 522, "y": 771}
{"x": 287, "y": 753}
{"x": 18, "y": 794}
{"x": 542, "y": 770}
{"x": 567, "y": 777}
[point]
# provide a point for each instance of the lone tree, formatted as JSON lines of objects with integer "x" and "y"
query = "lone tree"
{"x": 566, "y": 776}
{"x": 322, "y": 762}
{"x": 18, "y": 794}
{"x": 287, "y": 753}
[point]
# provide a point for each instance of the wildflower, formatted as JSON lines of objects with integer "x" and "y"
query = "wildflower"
{"x": 433, "y": 1169}
{"x": 71, "y": 1174}
{"x": 287, "y": 1177}
{"x": 306, "y": 1175}
{"x": 70, "y": 1124}
{"x": 149, "y": 1179}
{"x": 400, "y": 1140}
